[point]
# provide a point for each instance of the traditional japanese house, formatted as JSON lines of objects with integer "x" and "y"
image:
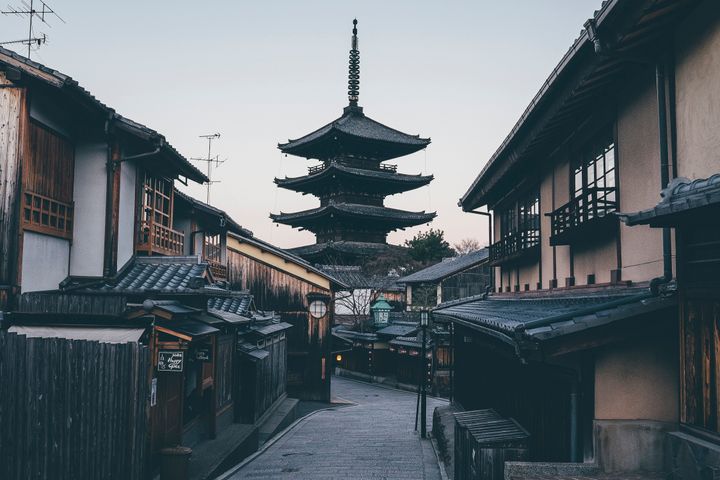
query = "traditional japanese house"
{"x": 452, "y": 278}
{"x": 352, "y": 182}
{"x": 298, "y": 293}
{"x": 580, "y": 340}
{"x": 83, "y": 188}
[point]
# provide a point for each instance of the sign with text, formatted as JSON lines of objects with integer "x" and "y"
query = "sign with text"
{"x": 170, "y": 360}
{"x": 203, "y": 354}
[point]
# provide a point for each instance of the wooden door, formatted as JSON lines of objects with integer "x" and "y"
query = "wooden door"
{"x": 170, "y": 409}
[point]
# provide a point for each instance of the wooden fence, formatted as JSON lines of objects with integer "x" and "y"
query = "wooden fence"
{"x": 72, "y": 409}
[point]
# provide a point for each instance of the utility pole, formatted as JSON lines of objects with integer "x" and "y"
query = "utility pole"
{"x": 210, "y": 160}
{"x": 28, "y": 10}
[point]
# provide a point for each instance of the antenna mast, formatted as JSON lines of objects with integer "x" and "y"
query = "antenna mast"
{"x": 28, "y": 10}
{"x": 210, "y": 160}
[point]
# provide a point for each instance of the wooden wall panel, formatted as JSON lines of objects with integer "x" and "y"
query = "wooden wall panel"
{"x": 13, "y": 114}
{"x": 49, "y": 168}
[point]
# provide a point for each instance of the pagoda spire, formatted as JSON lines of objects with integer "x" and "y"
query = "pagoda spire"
{"x": 354, "y": 70}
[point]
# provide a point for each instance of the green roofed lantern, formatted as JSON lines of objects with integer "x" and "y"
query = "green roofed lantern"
{"x": 381, "y": 311}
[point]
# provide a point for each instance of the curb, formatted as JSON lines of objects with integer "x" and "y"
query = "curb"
{"x": 441, "y": 464}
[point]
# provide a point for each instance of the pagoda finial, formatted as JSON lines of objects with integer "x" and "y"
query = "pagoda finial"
{"x": 354, "y": 70}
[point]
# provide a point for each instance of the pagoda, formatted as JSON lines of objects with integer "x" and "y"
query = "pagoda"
{"x": 352, "y": 182}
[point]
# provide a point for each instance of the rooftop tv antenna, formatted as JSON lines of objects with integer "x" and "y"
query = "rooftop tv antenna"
{"x": 31, "y": 11}
{"x": 210, "y": 160}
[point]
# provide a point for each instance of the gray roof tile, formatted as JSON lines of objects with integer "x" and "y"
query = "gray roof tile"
{"x": 447, "y": 267}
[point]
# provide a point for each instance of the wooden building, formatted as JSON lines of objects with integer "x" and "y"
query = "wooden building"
{"x": 452, "y": 278}
{"x": 83, "y": 188}
{"x": 352, "y": 182}
{"x": 580, "y": 341}
{"x": 299, "y": 293}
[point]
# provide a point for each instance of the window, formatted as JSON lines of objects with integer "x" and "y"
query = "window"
{"x": 47, "y": 181}
{"x": 157, "y": 201}
{"x": 507, "y": 222}
{"x": 593, "y": 177}
{"x": 211, "y": 248}
{"x": 529, "y": 219}
{"x": 155, "y": 233}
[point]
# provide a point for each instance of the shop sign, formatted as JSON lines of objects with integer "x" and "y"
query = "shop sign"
{"x": 170, "y": 360}
{"x": 203, "y": 354}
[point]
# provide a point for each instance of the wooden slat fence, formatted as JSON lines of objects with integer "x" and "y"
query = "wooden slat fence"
{"x": 72, "y": 409}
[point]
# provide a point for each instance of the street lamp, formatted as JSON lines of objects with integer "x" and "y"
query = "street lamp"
{"x": 381, "y": 311}
{"x": 424, "y": 320}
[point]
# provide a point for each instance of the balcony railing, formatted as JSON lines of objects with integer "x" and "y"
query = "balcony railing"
{"x": 586, "y": 215}
{"x": 154, "y": 238}
{"x": 515, "y": 246}
{"x": 382, "y": 167}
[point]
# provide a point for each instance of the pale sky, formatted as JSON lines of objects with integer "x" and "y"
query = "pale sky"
{"x": 460, "y": 72}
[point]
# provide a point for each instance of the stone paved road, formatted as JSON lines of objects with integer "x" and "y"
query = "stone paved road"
{"x": 374, "y": 439}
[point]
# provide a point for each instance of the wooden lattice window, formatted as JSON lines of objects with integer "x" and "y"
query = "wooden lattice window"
{"x": 47, "y": 183}
{"x": 211, "y": 248}
{"x": 594, "y": 175}
{"x": 155, "y": 233}
{"x": 45, "y": 215}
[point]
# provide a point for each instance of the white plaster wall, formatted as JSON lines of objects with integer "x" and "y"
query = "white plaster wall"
{"x": 86, "y": 258}
{"x": 126, "y": 224}
{"x": 44, "y": 261}
{"x": 697, "y": 80}
{"x": 48, "y": 113}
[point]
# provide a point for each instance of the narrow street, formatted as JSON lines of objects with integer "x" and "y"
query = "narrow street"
{"x": 374, "y": 438}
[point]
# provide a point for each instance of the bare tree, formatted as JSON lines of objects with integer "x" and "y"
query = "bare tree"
{"x": 467, "y": 245}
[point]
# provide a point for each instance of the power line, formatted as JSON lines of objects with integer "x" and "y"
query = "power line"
{"x": 29, "y": 11}
{"x": 210, "y": 160}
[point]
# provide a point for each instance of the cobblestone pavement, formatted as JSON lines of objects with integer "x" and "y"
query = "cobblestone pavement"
{"x": 374, "y": 439}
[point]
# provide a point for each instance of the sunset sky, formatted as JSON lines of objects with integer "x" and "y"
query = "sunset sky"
{"x": 460, "y": 72}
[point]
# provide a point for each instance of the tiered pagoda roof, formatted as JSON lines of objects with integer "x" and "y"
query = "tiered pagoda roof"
{"x": 352, "y": 181}
{"x": 385, "y": 180}
{"x": 354, "y": 134}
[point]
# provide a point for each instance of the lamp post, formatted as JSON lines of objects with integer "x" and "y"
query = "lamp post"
{"x": 381, "y": 311}
{"x": 424, "y": 319}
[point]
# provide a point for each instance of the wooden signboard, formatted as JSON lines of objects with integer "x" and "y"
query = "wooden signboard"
{"x": 170, "y": 360}
{"x": 204, "y": 354}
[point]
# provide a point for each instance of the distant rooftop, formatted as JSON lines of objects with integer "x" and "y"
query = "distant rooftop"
{"x": 447, "y": 267}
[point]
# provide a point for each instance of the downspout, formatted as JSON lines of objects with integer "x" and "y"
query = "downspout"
{"x": 112, "y": 167}
{"x": 664, "y": 171}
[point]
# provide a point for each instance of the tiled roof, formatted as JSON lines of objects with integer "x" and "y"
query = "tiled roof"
{"x": 401, "y": 217}
{"x": 239, "y": 305}
{"x": 397, "y": 330}
{"x": 358, "y": 248}
{"x": 353, "y": 335}
{"x": 552, "y": 315}
{"x": 177, "y": 275}
{"x": 388, "y": 182}
{"x": 447, "y": 267}
{"x": 64, "y": 82}
{"x": 354, "y": 277}
{"x": 681, "y": 196}
{"x": 354, "y": 124}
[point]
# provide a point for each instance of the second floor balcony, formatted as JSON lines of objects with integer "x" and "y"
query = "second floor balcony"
{"x": 516, "y": 246}
{"x": 587, "y": 215}
{"x": 157, "y": 239}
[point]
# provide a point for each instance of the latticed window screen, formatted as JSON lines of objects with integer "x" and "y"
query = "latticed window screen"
{"x": 157, "y": 201}
{"x": 211, "y": 248}
{"x": 594, "y": 174}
